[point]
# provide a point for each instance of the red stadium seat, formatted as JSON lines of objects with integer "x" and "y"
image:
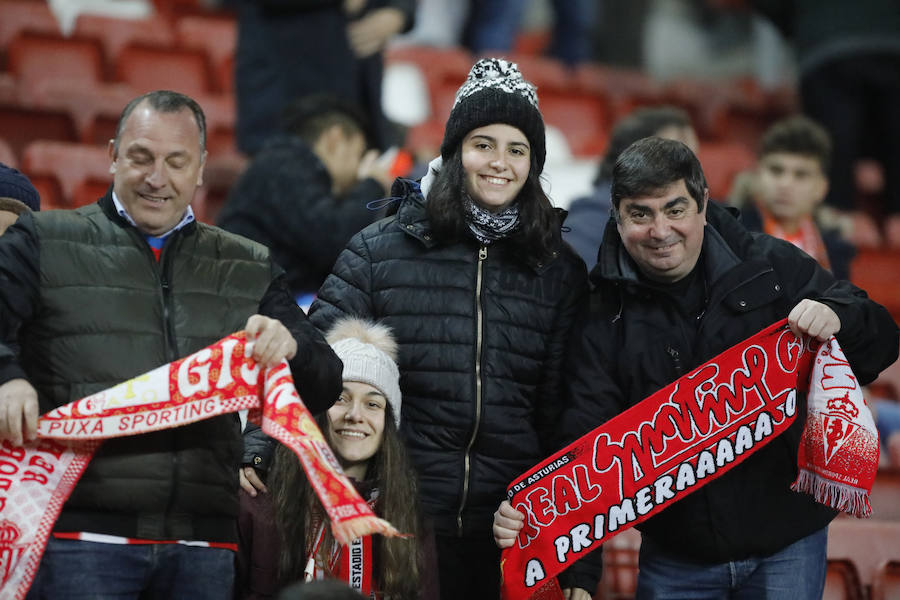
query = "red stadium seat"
{"x": 438, "y": 65}
{"x": 35, "y": 57}
{"x": 88, "y": 192}
{"x": 548, "y": 74}
{"x": 582, "y": 119}
{"x": 865, "y": 543}
{"x": 49, "y": 190}
{"x": 71, "y": 164}
{"x": 623, "y": 89}
{"x": 8, "y": 88}
{"x": 7, "y": 156}
{"x": 221, "y": 172}
{"x": 217, "y": 37}
{"x": 886, "y": 584}
{"x": 116, "y": 33}
{"x": 17, "y": 16}
{"x": 721, "y": 162}
{"x": 878, "y": 272}
{"x": 620, "y": 567}
{"x": 21, "y": 124}
{"x": 89, "y": 103}
{"x": 146, "y": 68}
{"x": 842, "y": 582}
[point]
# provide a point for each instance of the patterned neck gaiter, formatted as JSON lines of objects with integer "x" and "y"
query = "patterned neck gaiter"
{"x": 488, "y": 227}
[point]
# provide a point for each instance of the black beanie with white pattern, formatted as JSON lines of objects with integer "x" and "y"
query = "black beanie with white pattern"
{"x": 496, "y": 92}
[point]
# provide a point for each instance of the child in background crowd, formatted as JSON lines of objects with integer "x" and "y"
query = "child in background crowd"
{"x": 787, "y": 191}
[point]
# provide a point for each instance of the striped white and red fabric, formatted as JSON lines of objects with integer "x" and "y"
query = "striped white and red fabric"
{"x": 37, "y": 478}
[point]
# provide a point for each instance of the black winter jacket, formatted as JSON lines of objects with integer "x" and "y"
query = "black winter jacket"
{"x": 482, "y": 335}
{"x": 637, "y": 341}
{"x": 284, "y": 201}
{"x": 92, "y": 307}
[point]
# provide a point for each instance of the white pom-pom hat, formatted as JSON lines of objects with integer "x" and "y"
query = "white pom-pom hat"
{"x": 369, "y": 353}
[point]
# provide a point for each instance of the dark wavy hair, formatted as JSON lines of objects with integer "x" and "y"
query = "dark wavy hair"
{"x": 798, "y": 135}
{"x": 650, "y": 165}
{"x": 538, "y": 235}
{"x": 397, "y": 571}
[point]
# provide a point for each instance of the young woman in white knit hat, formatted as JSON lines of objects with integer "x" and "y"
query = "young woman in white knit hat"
{"x": 473, "y": 277}
{"x": 284, "y": 535}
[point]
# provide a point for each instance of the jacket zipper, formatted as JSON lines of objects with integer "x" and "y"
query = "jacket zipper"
{"x": 163, "y": 273}
{"x": 676, "y": 360}
{"x": 479, "y": 338}
{"x": 166, "y": 286}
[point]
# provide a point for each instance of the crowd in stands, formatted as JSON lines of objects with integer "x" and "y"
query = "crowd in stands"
{"x": 318, "y": 129}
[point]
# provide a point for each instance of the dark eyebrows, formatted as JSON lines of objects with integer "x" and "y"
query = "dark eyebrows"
{"x": 631, "y": 205}
{"x": 493, "y": 140}
{"x": 675, "y": 202}
{"x": 373, "y": 392}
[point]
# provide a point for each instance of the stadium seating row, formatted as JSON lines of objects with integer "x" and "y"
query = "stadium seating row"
{"x": 104, "y": 48}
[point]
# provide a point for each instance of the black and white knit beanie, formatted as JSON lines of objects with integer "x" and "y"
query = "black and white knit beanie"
{"x": 496, "y": 92}
{"x": 369, "y": 354}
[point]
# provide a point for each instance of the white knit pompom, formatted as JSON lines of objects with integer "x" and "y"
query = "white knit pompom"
{"x": 369, "y": 353}
{"x": 366, "y": 332}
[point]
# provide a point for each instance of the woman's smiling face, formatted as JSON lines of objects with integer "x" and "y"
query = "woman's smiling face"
{"x": 496, "y": 159}
{"x": 356, "y": 426}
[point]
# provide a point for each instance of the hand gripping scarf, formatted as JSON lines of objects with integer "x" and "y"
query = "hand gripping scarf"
{"x": 684, "y": 436}
{"x": 37, "y": 478}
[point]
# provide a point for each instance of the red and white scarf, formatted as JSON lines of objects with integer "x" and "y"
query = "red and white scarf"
{"x": 839, "y": 449}
{"x": 807, "y": 236}
{"x": 37, "y": 478}
{"x": 679, "y": 439}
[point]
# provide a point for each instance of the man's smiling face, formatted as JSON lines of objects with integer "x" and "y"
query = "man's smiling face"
{"x": 157, "y": 166}
{"x": 663, "y": 233}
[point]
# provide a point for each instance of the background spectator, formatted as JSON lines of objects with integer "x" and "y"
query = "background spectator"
{"x": 292, "y": 48}
{"x": 588, "y": 215}
{"x": 848, "y": 57}
{"x": 787, "y": 191}
{"x": 306, "y": 192}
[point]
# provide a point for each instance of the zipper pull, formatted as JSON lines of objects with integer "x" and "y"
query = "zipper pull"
{"x": 309, "y": 572}
{"x": 482, "y": 253}
{"x": 676, "y": 359}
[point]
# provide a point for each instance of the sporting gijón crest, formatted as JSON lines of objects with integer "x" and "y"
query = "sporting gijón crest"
{"x": 838, "y": 424}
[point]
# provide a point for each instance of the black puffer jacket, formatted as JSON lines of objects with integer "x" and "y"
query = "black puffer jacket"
{"x": 637, "y": 341}
{"x": 482, "y": 336}
{"x": 284, "y": 201}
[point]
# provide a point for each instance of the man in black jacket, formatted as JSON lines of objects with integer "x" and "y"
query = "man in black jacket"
{"x": 101, "y": 294}
{"x": 307, "y": 192}
{"x": 679, "y": 281}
